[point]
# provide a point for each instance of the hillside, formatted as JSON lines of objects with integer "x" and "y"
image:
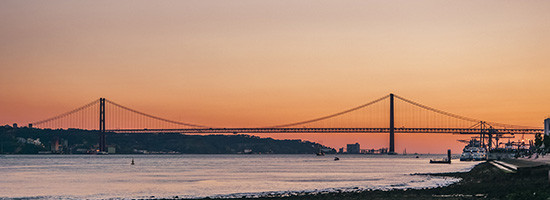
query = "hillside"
{"x": 72, "y": 141}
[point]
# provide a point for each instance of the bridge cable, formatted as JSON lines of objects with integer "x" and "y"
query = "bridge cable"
{"x": 67, "y": 113}
{"x": 460, "y": 117}
{"x": 330, "y": 116}
{"x": 155, "y": 117}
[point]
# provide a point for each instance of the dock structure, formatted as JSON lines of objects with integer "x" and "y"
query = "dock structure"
{"x": 519, "y": 165}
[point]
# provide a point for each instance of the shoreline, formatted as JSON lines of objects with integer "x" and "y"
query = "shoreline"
{"x": 484, "y": 181}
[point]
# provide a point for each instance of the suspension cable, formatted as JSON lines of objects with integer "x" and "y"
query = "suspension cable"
{"x": 460, "y": 117}
{"x": 330, "y": 116}
{"x": 67, "y": 113}
{"x": 155, "y": 117}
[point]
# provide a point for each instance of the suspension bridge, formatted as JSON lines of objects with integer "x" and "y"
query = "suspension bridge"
{"x": 389, "y": 114}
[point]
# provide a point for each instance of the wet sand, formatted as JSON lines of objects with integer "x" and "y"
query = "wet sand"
{"x": 482, "y": 182}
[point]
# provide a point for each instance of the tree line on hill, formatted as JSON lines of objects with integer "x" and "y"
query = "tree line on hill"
{"x": 26, "y": 140}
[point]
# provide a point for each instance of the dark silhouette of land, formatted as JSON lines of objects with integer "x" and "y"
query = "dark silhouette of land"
{"x": 32, "y": 141}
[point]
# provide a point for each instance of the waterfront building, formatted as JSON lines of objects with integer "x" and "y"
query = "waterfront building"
{"x": 111, "y": 150}
{"x": 547, "y": 126}
{"x": 354, "y": 148}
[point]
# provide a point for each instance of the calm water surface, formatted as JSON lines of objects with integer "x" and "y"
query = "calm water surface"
{"x": 188, "y": 176}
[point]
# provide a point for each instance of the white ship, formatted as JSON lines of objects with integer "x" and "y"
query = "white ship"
{"x": 473, "y": 151}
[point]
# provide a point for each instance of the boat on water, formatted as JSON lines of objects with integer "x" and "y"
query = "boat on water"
{"x": 480, "y": 154}
{"x": 444, "y": 160}
{"x": 466, "y": 156}
{"x": 473, "y": 151}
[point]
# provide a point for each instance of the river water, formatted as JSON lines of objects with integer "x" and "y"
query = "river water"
{"x": 191, "y": 176}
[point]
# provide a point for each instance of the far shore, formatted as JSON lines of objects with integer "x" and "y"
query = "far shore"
{"x": 484, "y": 181}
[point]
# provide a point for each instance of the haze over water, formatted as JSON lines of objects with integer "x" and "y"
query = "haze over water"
{"x": 188, "y": 176}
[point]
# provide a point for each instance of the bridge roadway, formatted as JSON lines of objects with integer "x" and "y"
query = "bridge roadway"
{"x": 330, "y": 130}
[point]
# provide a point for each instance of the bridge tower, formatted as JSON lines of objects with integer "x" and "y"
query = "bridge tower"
{"x": 392, "y": 128}
{"x": 102, "y": 141}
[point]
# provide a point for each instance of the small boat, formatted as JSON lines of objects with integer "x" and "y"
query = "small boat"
{"x": 442, "y": 161}
{"x": 320, "y": 154}
{"x": 336, "y": 158}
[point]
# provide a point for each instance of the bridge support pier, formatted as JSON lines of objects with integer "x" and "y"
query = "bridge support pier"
{"x": 102, "y": 140}
{"x": 392, "y": 128}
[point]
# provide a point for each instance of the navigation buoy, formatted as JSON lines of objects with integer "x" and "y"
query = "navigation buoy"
{"x": 132, "y": 162}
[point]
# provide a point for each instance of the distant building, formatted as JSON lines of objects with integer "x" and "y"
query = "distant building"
{"x": 341, "y": 150}
{"x": 55, "y": 147}
{"x": 111, "y": 150}
{"x": 547, "y": 126}
{"x": 14, "y": 125}
{"x": 354, "y": 148}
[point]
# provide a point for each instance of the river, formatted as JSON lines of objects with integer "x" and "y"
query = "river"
{"x": 192, "y": 176}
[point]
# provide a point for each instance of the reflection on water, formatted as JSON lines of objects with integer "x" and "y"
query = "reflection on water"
{"x": 112, "y": 176}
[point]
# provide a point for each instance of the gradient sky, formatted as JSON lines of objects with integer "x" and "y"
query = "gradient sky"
{"x": 256, "y": 62}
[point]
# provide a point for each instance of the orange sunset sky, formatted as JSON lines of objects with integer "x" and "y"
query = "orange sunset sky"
{"x": 250, "y": 63}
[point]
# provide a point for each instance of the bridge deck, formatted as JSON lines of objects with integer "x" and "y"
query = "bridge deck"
{"x": 330, "y": 130}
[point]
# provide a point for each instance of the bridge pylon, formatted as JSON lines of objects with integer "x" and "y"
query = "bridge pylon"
{"x": 392, "y": 126}
{"x": 102, "y": 140}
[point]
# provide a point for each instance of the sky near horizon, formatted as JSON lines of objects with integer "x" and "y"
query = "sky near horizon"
{"x": 253, "y": 63}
